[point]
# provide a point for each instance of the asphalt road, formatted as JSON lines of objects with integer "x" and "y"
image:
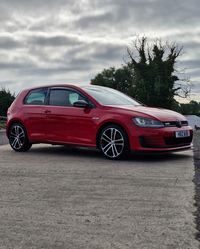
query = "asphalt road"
{"x": 3, "y": 138}
{"x": 59, "y": 197}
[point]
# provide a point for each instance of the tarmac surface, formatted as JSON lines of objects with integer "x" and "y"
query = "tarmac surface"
{"x": 63, "y": 197}
{"x": 3, "y": 137}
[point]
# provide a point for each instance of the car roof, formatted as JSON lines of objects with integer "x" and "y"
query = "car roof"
{"x": 63, "y": 85}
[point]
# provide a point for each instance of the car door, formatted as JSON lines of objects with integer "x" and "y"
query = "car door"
{"x": 65, "y": 123}
{"x": 33, "y": 106}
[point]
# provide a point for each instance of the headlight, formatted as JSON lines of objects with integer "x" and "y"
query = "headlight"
{"x": 147, "y": 122}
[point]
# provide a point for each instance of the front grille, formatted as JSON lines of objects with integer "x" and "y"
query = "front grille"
{"x": 178, "y": 141}
{"x": 173, "y": 124}
{"x": 151, "y": 142}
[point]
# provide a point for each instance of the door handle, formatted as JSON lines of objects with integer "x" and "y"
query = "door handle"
{"x": 46, "y": 111}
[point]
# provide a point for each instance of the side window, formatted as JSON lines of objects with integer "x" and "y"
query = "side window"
{"x": 73, "y": 97}
{"x": 36, "y": 97}
{"x": 62, "y": 97}
{"x": 59, "y": 97}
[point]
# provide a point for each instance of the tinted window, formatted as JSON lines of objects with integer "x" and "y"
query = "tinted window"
{"x": 73, "y": 97}
{"x": 63, "y": 97}
{"x": 36, "y": 97}
{"x": 108, "y": 96}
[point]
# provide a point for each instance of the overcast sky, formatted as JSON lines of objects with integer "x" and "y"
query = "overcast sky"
{"x": 70, "y": 41}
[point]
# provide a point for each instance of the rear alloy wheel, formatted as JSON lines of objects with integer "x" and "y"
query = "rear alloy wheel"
{"x": 114, "y": 142}
{"x": 18, "y": 138}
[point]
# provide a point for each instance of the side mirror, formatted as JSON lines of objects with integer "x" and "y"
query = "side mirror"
{"x": 81, "y": 104}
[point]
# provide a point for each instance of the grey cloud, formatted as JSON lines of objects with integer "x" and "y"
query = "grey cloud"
{"x": 43, "y": 71}
{"x": 109, "y": 52}
{"x": 191, "y": 51}
{"x": 4, "y": 15}
{"x": 38, "y": 6}
{"x": 54, "y": 41}
{"x": 80, "y": 64}
{"x": 187, "y": 39}
{"x": 44, "y": 40}
{"x": 97, "y": 51}
{"x": 6, "y": 82}
{"x": 31, "y": 70}
{"x": 15, "y": 65}
{"x": 75, "y": 60}
{"x": 194, "y": 64}
{"x": 158, "y": 14}
{"x": 93, "y": 21}
{"x": 9, "y": 43}
{"x": 193, "y": 75}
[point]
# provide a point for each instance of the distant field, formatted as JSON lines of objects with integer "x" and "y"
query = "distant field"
{"x": 3, "y": 122}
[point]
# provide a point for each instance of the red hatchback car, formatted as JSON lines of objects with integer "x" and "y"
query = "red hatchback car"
{"x": 94, "y": 116}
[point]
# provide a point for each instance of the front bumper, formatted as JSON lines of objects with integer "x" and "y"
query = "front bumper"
{"x": 160, "y": 140}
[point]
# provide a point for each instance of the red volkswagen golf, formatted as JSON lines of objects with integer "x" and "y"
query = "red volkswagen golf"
{"x": 94, "y": 116}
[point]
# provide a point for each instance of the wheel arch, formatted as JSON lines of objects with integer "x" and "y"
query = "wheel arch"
{"x": 105, "y": 125}
{"x": 11, "y": 124}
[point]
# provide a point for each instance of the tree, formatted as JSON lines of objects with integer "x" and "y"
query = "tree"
{"x": 155, "y": 82}
{"x": 176, "y": 106}
{"x": 120, "y": 79}
{"x": 6, "y": 98}
{"x": 192, "y": 108}
{"x": 149, "y": 74}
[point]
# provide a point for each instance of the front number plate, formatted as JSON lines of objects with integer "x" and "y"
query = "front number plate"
{"x": 182, "y": 134}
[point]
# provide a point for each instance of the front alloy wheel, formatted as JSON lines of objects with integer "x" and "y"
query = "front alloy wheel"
{"x": 18, "y": 138}
{"x": 114, "y": 142}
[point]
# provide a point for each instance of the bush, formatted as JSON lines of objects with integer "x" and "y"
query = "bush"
{"x": 3, "y": 122}
{"x": 6, "y": 99}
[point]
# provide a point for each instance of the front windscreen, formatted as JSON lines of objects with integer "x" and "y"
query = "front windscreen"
{"x": 109, "y": 96}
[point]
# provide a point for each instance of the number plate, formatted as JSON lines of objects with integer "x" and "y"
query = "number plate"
{"x": 182, "y": 134}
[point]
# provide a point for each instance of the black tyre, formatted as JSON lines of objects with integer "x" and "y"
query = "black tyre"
{"x": 18, "y": 138}
{"x": 113, "y": 142}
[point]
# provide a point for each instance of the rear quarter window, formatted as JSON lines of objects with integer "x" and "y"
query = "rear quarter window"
{"x": 36, "y": 97}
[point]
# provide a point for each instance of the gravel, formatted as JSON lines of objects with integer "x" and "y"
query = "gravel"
{"x": 196, "y": 142}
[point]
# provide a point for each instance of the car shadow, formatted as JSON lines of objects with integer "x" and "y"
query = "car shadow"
{"x": 67, "y": 150}
{"x": 85, "y": 152}
{"x": 160, "y": 157}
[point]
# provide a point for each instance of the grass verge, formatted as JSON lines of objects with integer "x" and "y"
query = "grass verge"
{"x": 2, "y": 122}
